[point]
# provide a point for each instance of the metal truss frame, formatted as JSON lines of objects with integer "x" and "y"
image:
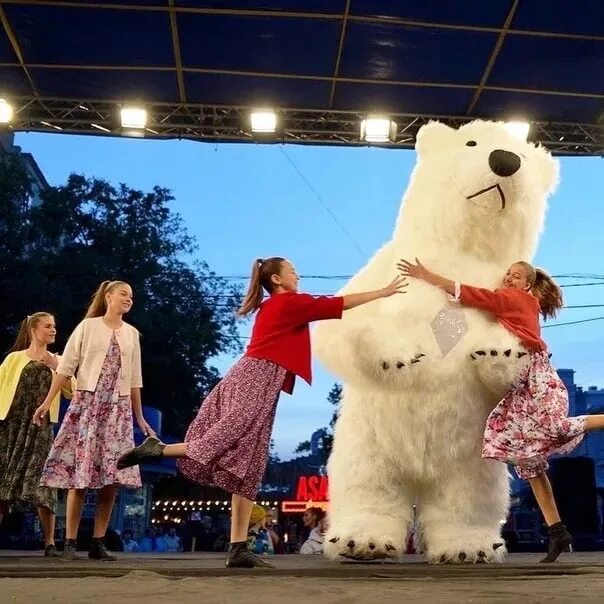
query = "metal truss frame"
{"x": 218, "y": 123}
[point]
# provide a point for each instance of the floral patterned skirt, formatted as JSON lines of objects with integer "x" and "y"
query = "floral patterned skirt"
{"x": 228, "y": 442}
{"x": 531, "y": 422}
{"x": 96, "y": 430}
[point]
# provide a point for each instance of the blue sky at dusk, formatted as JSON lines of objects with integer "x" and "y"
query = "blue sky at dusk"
{"x": 246, "y": 201}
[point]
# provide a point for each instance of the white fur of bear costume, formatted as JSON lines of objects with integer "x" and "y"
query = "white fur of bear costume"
{"x": 421, "y": 373}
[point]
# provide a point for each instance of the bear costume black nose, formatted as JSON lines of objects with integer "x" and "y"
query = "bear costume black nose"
{"x": 504, "y": 163}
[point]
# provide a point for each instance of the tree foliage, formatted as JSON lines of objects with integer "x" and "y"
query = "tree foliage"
{"x": 53, "y": 255}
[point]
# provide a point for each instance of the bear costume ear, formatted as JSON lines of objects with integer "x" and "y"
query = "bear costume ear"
{"x": 434, "y": 135}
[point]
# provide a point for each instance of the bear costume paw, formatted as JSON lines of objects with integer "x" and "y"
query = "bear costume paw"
{"x": 360, "y": 548}
{"x": 486, "y": 555}
{"x": 498, "y": 368}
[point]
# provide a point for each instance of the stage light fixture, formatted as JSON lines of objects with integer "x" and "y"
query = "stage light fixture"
{"x": 133, "y": 118}
{"x": 6, "y": 112}
{"x": 263, "y": 121}
{"x": 378, "y": 129}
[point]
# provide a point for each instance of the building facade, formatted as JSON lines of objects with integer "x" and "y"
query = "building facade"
{"x": 37, "y": 179}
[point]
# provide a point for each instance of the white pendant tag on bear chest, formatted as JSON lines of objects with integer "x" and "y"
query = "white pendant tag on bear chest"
{"x": 448, "y": 327}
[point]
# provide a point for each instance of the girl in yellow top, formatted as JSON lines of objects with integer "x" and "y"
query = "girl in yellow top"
{"x": 25, "y": 378}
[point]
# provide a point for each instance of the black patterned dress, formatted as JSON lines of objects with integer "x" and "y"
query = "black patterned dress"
{"x": 24, "y": 446}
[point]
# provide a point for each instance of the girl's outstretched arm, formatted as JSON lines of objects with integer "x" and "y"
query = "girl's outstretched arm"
{"x": 419, "y": 271}
{"x": 396, "y": 286}
{"x": 496, "y": 302}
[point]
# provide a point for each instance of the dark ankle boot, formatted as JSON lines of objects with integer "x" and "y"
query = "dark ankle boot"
{"x": 50, "y": 551}
{"x": 98, "y": 551}
{"x": 150, "y": 447}
{"x": 560, "y": 540}
{"x": 239, "y": 556}
{"x": 69, "y": 550}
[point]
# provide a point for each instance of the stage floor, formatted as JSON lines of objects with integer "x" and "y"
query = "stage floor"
{"x": 28, "y": 578}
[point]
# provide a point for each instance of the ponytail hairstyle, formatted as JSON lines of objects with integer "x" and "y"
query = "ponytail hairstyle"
{"x": 98, "y": 303}
{"x": 24, "y": 336}
{"x": 545, "y": 289}
{"x": 262, "y": 272}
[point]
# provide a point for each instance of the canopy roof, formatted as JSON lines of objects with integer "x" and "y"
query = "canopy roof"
{"x": 199, "y": 66}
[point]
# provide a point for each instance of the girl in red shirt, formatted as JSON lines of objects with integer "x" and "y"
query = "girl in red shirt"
{"x": 227, "y": 444}
{"x": 531, "y": 422}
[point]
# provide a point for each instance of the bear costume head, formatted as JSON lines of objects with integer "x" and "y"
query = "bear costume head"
{"x": 482, "y": 191}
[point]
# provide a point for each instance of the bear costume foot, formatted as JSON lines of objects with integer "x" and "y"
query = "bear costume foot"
{"x": 486, "y": 555}
{"x": 365, "y": 549}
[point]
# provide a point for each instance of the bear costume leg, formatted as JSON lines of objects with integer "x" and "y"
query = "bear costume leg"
{"x": 369, "y": 511}
{"x": 461, "y": 516}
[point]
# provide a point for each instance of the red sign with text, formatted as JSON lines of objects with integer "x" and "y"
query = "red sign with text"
{"x": 312, "y": 488}
{"x": 311, "y": 491}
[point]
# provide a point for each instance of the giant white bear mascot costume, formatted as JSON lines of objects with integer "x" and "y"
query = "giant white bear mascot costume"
{"x": 421, "y": 373}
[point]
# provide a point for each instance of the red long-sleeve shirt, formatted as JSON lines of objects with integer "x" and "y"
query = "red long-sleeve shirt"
{"x": 517, "y": 310}
{"x": 281, "y": 334}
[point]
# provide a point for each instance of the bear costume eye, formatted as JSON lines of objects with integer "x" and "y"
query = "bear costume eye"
{"x": 471, "y": 144}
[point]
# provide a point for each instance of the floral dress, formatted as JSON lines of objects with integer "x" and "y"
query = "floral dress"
{"x": 96, "y": 430}
{"x": 531, "y": 423}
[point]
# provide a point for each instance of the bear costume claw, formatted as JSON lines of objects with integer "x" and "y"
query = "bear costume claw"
{"x": 402, "y": 364}
{"x": 364, "y": 549}
{"x": 477, "y": 354}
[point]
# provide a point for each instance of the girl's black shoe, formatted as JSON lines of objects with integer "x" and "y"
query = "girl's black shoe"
{"x": 98, "y": 551}
{"x": 69, "y": 551}
{"x": 150, "y": 447}
{"x": 560, "y": 540}
{"x": 239, "y": 556}
{"x": 51, "y": 551}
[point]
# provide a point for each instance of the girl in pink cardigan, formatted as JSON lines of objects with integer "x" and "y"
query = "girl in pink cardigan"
{"x": 97, "y": 428}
